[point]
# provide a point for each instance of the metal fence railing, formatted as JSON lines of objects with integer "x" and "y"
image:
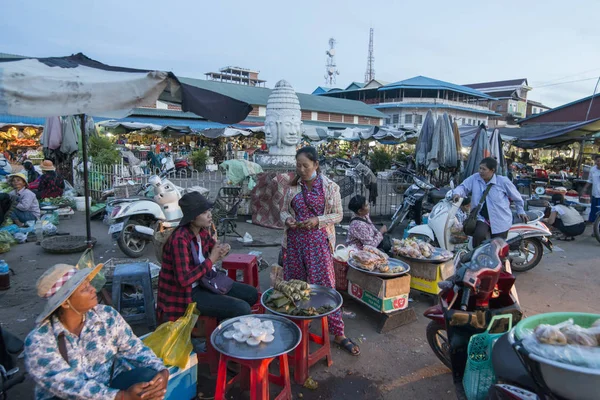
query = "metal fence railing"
{"x": 388, "y": 196}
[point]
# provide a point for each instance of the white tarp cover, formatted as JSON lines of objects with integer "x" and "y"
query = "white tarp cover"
{"x": 46, "y": 87}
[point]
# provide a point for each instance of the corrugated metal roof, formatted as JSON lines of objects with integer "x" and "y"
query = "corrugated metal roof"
{"x": 157, "y": 112}
{"x": 423, "y": 82}
{"x": 259, "y": 96}
{"x": 357, "y": 85}
{"x": 510, "y": 82}
{"x": 429, "y": 105}
{"x": 7, "y": 55}
{"x": 534, "y": 116}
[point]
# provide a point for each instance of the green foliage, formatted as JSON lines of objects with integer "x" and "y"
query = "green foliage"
{"x": 103, "y": 151}
{"x": 380, "y": 160}
{"x": 199, "y": 159}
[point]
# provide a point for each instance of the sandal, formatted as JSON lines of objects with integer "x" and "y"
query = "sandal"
{"x": 348, "y": 345}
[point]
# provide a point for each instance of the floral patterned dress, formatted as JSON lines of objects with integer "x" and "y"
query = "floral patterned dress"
{"x": 308, "y": 255}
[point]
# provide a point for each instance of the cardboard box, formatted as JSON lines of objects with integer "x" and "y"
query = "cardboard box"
{"x": 426, "y": 275}
{"x": 382, "y": 295}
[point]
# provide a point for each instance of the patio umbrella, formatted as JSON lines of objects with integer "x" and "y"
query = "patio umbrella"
{"x": 433, "y": 155}
{"x": 456, "y": 133}
{"x": 424, "y": 141}
{"x": 447, "y": 153}
{"x": 47, "y": 87}
{"x": 479, "y": 150}
{"x": 497, "y": 152}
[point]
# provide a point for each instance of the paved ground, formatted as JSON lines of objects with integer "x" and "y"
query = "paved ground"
{"x": 395, "y": 365}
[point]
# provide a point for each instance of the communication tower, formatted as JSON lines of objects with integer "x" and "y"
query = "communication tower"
{"x": 331, "y": 70}
{"x": 370, "y": 74}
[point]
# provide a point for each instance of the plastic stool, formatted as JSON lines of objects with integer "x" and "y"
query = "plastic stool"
{"x": 245, "y": 262}
{"x": 255, "y": 376}
{"x": 302, "y": 359}
{"x": 136, "y": 274}
{"x": 210, "y": 356}
{"x": 258, "y": 308}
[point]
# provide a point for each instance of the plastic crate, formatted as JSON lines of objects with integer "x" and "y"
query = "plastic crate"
{"x": 479, "y": 371}
{"x": 183, "y": 382}
{"x": 341, "y": 271}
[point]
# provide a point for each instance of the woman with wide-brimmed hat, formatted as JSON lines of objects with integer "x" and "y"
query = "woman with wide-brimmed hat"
{"x": 27, "y": 207}
{"x": 51, "y": 184}
{"x": 84, "y": 350}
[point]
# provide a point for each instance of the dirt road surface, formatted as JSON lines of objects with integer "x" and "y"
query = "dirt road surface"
{"x": 395, "y": 365}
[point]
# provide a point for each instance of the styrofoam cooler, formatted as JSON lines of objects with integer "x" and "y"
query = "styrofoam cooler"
{"x": 183, "y": 382}
{"x": 80, "y": 203}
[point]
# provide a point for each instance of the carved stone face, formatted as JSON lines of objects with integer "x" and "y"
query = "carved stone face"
{"x": 271, "y": 134}
{"x": 283, "y": 125}
{"x": 290, "y": 132}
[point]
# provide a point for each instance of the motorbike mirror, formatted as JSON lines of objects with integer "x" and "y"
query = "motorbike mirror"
{"x": 164, "y": 161}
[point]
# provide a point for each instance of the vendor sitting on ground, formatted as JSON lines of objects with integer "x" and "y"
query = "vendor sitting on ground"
{"x": 82, "y": 350}
{"x": 51, "y": 184}
{"x": 27, "y": 207}
{"x": 565, "y": 218}
{"x": 189, "y": 254}
{"x": 362, "y": 231}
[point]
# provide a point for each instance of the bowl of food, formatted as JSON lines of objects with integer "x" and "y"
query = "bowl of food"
{"x": 565, "y": 348}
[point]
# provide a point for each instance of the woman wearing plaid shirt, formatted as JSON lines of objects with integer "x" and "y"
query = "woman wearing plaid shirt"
{"x": 190, "y": 252}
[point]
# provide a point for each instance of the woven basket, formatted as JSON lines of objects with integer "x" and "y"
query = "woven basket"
{"x": 341, "y": 271}
{"x": 66, "y": 244}
{"x": 126, "y": 191}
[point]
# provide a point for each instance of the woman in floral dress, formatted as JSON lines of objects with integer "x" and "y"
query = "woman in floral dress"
{"x": 311, "y": 208}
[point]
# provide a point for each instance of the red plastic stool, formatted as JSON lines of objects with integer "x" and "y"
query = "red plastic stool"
{"x": 210, "y": 356}
{"x": 258, "y": 308}
{"x": 245, "y": 262}
{"x": 255, "y": 376}
{"x": 301, "y": 358}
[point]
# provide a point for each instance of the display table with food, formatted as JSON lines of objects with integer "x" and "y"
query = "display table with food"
{"x": 381, "y": 283}
{"x": 254, "y": 342}
{"x": 303, "y": 303}
{"x": 429, "y": 265}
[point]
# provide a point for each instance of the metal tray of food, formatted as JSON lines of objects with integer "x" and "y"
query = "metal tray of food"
{"x": 430, "y": 260}
{"x": 319, "y": 296}
{"x": 287, "y": 337}
{"x": 393, "y": 263}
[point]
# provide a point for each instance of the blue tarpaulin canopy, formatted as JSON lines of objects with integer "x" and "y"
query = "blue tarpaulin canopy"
{"x": 548, "y": 135}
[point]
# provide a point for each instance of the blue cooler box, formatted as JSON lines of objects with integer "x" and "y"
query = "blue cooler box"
{"x": 182, "y": 382}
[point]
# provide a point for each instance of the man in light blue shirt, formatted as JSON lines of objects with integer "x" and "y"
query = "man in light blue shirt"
{"x": 495, "y": 216}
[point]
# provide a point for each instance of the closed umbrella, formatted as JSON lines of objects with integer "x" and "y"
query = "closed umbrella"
{"x": 479, "y": 150}
{"x": 447, "y": 154}
{"x": 456, "y": 133}
{"x": 424, "y": 141}
{"x": 436, "y": 146}
{"x": 496, "y": 151}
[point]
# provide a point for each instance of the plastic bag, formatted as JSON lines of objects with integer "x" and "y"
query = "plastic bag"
{"x": 87, "y": 261}
{"x": 159, "y": 240}
{"x": 51, "y": 218}
{"x": 276, "y": 274}
{"x": 49, "y": 228}
{"x": 20, "y": 237}
{"x": 6, "y": 237}
{"x": 171, "y": 341}
{"x": 12, "y": 229}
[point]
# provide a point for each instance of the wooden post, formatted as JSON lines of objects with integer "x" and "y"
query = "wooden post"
{"x": 86, "y": 183}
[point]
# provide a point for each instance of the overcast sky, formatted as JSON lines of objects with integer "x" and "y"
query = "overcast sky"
{"x": 548, "y": 42}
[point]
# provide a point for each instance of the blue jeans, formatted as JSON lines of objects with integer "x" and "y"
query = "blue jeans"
{"x": 126, "y": 379}
{"x": 594, "y": 209}
{"x": 22, "y": 216}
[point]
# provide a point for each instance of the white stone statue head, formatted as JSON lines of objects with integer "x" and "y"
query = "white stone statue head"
{"x": 283, "y": 124}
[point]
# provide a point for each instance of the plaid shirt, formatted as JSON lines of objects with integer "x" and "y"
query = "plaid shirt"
{"x": 178, "y": 271}
{"x": 51, "y": 185}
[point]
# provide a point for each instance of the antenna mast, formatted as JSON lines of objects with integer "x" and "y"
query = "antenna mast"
{"x": 331, "y": 70}
{"x": 370, "y": 74}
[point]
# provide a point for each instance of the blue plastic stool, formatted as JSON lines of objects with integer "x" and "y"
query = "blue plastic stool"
{"x": 135, "y": 274}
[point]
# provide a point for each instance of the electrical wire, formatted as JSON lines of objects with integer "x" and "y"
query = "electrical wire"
{"x": 569, "y": 76}
{"x": 564, "y": 83}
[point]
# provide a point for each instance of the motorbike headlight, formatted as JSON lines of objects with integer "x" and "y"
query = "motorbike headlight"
{"x": 486, "y": 261}
{"x": 422, "y": 184}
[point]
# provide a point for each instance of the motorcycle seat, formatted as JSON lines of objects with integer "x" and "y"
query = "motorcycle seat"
{"x": 532, "y": 217}
{"x": 508, "y": 366}
{"x": 436, "y": 195}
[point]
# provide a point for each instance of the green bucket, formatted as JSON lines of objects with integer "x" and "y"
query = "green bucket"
{"x": 526, "y": 325}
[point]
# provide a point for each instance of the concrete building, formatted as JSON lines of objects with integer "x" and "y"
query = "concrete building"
{"x": 405, "y": 103}
{"x": 237, "y": 75}
{"x": 575, "y": 111}
{"x": 511, "y": 100}
{"x": 534, "y": 107}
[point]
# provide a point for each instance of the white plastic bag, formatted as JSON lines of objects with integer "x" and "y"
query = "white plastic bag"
{"x": 342, "y": 253}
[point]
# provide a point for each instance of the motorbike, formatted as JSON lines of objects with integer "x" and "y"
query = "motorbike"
{"x": 481, "y": 288}
{"x": 183, "y": 167}
{"x": 524, "y": 254}
{"x": 10, "y": 374}
{"x": 596, "y": 227}
{"x": 417, "y": 197}
{"x": 136, "y": 219}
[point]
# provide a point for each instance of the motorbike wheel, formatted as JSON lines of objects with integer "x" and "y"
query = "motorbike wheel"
{"x": 188, "y": 172}
{"x": 597, "y": 228}
{"x": 437, "y": 337}
{"x": 131, "y": 246}
{"x": 531, "y": 247}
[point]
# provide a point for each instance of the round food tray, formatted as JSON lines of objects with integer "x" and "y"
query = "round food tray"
{"x": 394, "y": 263}
{"x": 287, "y": 337}
{"x": 319, "y": 296}
{"x": 437, "y": 251}
{"x": 66, "y": 244}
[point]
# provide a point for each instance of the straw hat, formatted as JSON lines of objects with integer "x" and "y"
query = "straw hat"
{"x": 47, "y": 165}
{"x": 58, "y": 283}
{"x": 18, "y": 175}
